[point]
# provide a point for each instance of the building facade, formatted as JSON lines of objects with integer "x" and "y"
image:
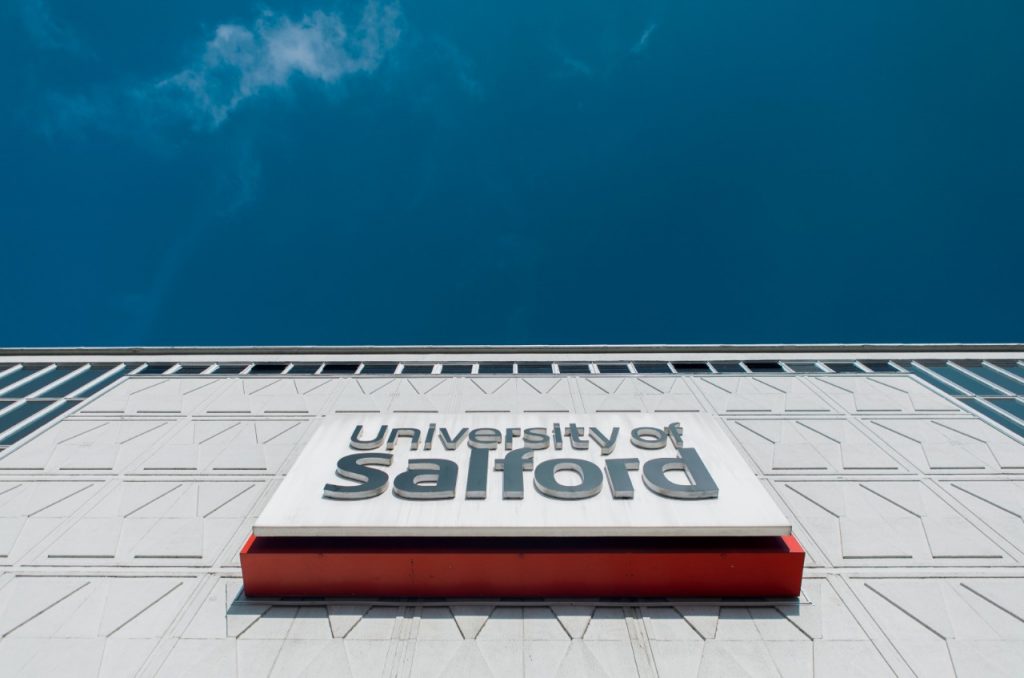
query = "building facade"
{"x": 130, "y": 480}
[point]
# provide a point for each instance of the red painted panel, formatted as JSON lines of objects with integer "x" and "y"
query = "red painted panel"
{"x": 523, "y": 567}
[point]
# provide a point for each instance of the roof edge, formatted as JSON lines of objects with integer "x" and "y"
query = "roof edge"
{"x": 513, "y": 348}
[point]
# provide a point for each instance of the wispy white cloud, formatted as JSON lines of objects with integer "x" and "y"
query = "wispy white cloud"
{"x": 641, "y": 44}
{"x": 241, "y": 62}
{"x": 577, "y": 67}
{"x": 44, "y": 30}
{"x": 238, "y": 63}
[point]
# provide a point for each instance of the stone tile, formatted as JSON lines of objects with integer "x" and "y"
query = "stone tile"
{"x": 944, "y": 445}
{"x": 882, "y": 393}
{"x": 812, "y": 446}
{"x": 758, "y": 394}
{"x": 148, "y": 522}
{"x": 93, "y": 445}
{"x": 157, "y": 395}
{"x": 886, "y": 522}
{"x": 942, "y": 626}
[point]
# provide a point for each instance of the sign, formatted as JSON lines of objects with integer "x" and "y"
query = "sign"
{"x": 533, "y": 475}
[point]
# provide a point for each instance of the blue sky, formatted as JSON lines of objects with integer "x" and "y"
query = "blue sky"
{"x": 231, "y": 172}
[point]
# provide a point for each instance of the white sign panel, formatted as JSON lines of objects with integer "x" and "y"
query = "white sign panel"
{"x": 521, "y": 475}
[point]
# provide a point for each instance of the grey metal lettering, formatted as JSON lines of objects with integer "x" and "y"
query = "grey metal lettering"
{"x": 557, "y": 431}
{"x": 648, "y": 438}
{"x": 576, "y": 434}
{"x": 688, "y": 461}
{"x": 536, "y": 438}
{"x": 675, "y": 432}
{"x": 427, "y": 479}
{"x": 485, "y": 437}
{"x": 413, "y": 434}
{"x": 356, "y": 467}
{"x": 356, "y": 444}
{"x": 428, "y": 442}
{"x": 512, "y": 468}
{"x": 476, "y": 479}
{"x": 617, "y": 471}
{"x": 510, "y": 436}
{"x": 606, "y": 443}
{"x": 546, "y": 483}
{"x": 450, "y": 443}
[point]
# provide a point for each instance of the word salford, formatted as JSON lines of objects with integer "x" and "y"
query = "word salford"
{"x": 438, "y": 478}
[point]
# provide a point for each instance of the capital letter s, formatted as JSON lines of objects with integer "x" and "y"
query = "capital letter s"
{"x": 357, "y": 467}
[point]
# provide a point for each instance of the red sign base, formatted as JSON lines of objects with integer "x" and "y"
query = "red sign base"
{"x": 455, "y": 567}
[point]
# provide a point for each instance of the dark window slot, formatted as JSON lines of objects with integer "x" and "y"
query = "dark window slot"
{"x": 38, "y": 423}
{"x": 994, "y": 415}
{"x": 191, "y": 369}
{"x": 844, "y": 368}
{"x": 652, "y": 368}
{"x": 379, "y": 368}
{"x": 763, "y": 365}
{"x": 230, "y": 369}
{"x": 1014, "y": 368}
{"x": 996, "y": 377}
{"x": 495, "y": 368}
{"x": 75, "y": 382}
{"x": 931, "y": 379}
{"x": 304, "y": 368}
{"x": 105, "y": 381}
{"x": 417, "y": 369}
{"x": 970, "y": 384}
{"x": 40, "y": 381}
{"x": 155, "y": 368}
{"x": 12, "y": 416}
{"x": 340, "y": 368}
{"x": 1011, "y": 405}
{"x": 805, "y": 368}
{"x": 267, "y": 368}
{"x": 692, "y": 368}
{"x": 17, "y": 375}
{"x": 879, "y": 366}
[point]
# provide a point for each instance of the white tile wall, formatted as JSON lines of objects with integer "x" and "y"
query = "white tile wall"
{"x": 120, "y": 527}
